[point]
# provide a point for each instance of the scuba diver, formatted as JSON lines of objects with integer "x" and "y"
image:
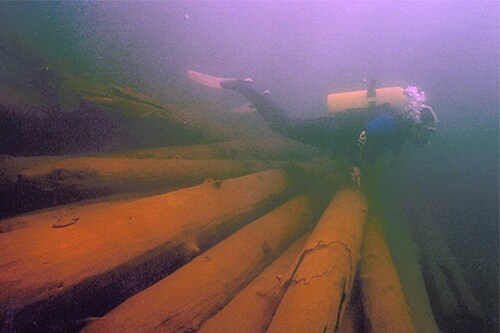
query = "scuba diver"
{"x": 361, "y": 133}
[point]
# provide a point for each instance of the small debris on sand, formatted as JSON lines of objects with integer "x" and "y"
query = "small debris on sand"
{"x": 62, "y": 223}
{"x": 217, "y": 183}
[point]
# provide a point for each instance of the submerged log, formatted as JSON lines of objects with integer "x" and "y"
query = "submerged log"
{"x": 387, "y": 195}
{"x": 53, "y": 277}
{"x": 383, "y": 299}
{"x": 49, "y": 182}
{"x": 252, "y": 310}
{"x": 451, "y": 295}
{"x": 122, "y": 174}
{"x": 348, "y": 322}
{"x": 405, "y": 255}
{"x": 195, "y": 292}
{"x": 324, "y": 273}
{"x": 454, "y": 304}
{"x": 353, "y": 318}
{"x": 277, "y": 149}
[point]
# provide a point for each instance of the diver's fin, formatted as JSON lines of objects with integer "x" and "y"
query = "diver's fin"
{"x": 207, "y": 80}
{"x": 246, "y": 108}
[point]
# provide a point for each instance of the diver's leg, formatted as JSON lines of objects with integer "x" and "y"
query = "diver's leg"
{"x": 274, "y": 115}
{"x": 322, "y": 132}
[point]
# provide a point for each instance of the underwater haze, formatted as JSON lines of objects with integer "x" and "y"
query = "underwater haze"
{"x": 53, "y": 53}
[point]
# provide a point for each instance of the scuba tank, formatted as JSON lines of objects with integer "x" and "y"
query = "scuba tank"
{"x": 362, "y": 99}
{"x": 407, "y": 102}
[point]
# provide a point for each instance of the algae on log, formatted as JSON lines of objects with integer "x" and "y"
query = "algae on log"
{"x": 56, "y": 277}
{"x": 252, "y": 310}
{"x": 185, "y": 299}
{"x": 324, "y": 273}
{"x": 383, "y": 300}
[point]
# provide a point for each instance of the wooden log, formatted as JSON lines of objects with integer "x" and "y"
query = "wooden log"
{"x": 383, "y": 299}
{"x": 194, "y": 293}
{"x": 407, "y": 260}
{"x": 280, "y": 149}
{"x": 57, "y": 276}
{"x": 58, "y": 181}
{"x": 324, "y": 274}
{"x": 444, "y": 300}
{"x": 125, "y": 174}
{"x": 68, "y": 210}
{"x": 251, "y": 311}
{"x": 452, "y": 296}
{"x": 454, "y": 304}
{"x": 348, "y": 322}
{"x": 353, "y": 318}
{"x": 404, "y": 251}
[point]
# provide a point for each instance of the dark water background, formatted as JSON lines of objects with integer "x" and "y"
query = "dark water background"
{"x": 301, "y": 52}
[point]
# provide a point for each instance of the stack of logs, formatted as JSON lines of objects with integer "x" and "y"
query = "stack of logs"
{"x": 256, "y": 253}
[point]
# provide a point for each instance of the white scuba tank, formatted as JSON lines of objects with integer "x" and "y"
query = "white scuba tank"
{"x": 361, "y": 99}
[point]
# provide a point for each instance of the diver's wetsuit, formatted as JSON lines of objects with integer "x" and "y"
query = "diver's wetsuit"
{"x": 385, "y": 129}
